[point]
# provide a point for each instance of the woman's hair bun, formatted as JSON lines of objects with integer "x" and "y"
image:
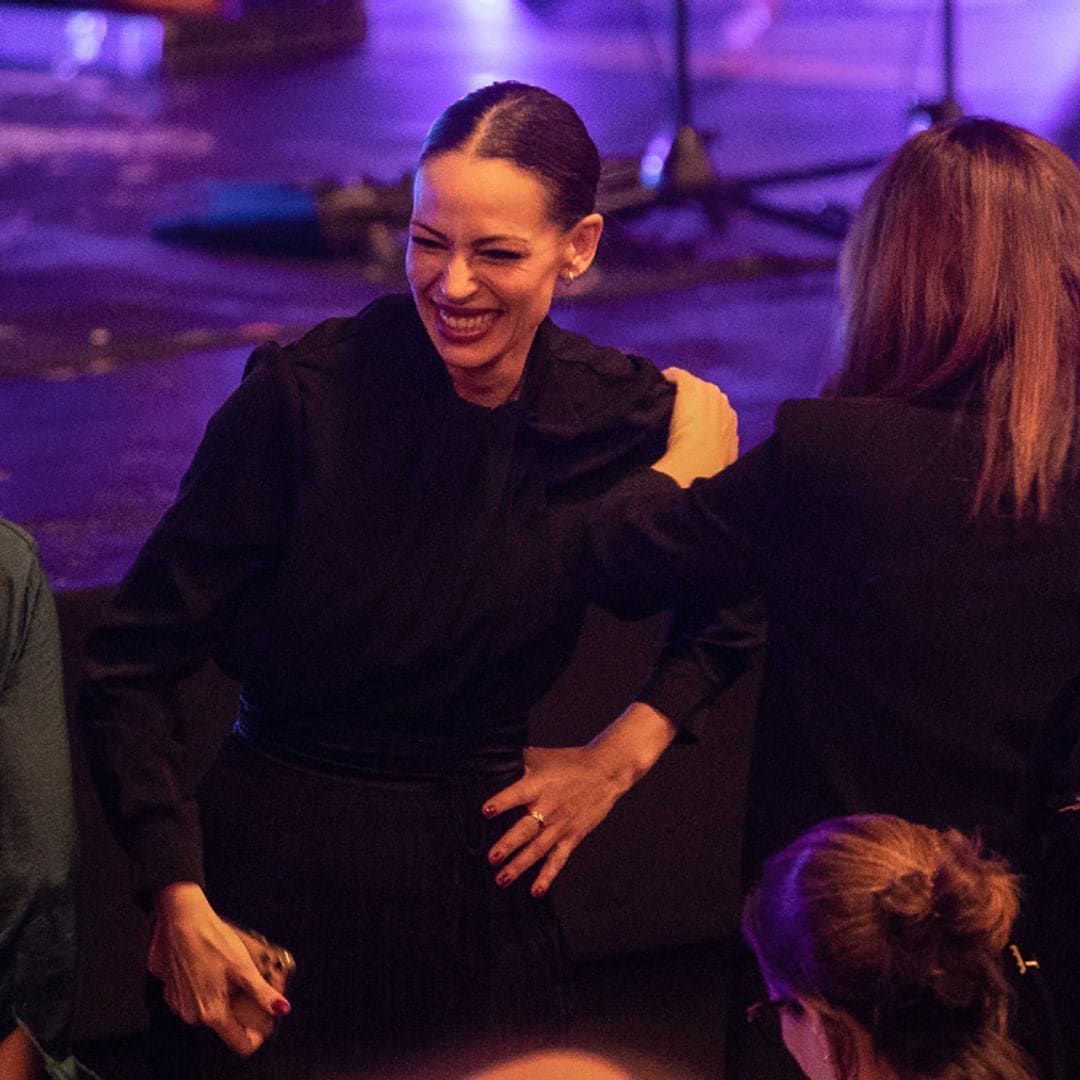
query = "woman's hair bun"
{"x": 975, "y": 894}
{"x": 959, "y": 892}
{"x": 900, "y": 925}
{"x": 937, "y": 921}
{"x": 910, "y": 896}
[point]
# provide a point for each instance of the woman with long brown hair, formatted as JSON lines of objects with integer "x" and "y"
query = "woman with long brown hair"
{"x": 914, "y": 533}
{"x": 961, "y": 282}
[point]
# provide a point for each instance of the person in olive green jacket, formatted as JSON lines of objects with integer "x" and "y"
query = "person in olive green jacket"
{"x": 37, "y": 825}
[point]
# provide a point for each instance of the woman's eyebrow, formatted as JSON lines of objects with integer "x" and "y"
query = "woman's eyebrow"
{"x": 498, "y": 238}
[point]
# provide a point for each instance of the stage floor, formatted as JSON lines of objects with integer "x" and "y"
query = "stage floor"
{"x": 116, "y": 347}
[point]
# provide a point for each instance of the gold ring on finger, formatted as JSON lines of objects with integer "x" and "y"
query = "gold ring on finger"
{"x": 538, "y": 818}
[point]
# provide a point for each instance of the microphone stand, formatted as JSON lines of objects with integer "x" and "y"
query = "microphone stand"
{"x": 946, "y": 107}
{"x": 688, "y": 175}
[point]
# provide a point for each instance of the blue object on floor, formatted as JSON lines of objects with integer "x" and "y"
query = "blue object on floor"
{"x": 260, "y": 217}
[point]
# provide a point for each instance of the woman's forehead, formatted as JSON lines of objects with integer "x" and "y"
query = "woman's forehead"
{"x": 464, "y": 190}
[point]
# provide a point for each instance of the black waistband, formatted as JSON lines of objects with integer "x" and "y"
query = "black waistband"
{"x": 409, "y": 751}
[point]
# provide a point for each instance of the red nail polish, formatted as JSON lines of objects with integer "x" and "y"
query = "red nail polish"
{"x": 496, "y": 857}
{"x": 538, "y": 891}
{"x": 488, "y": 811}
{"x": 281, "y": 1007}
{"x": 503, "y": 880}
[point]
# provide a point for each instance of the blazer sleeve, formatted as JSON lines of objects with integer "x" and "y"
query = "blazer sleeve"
{"x": 652, "y": 546}
{"x": 226, "y": 528}
{"x": 704, "y": 654}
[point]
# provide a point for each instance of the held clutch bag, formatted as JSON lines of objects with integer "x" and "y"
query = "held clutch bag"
{"x": 276, "y": 965}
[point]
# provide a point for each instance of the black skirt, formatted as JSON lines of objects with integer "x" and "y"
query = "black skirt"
{"x": 380, "y": 886}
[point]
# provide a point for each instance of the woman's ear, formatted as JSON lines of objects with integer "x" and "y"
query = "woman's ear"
{"x": 581, "y": 242}
{"x": 817, "y": 1038}
{"x": 846, "y": 1042}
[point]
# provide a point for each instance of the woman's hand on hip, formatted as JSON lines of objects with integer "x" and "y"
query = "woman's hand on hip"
{"x": 202, "y": 963}
{"x": 566, "y": 792}
{"x": 703, "y": 436}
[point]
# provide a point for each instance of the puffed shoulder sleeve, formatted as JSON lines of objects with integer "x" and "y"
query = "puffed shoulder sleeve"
{"x": 225, "y": 529}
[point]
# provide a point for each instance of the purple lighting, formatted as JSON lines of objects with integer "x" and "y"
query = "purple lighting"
{"x": 69, "y": 42}
{"x": 485, "y": 8}
{"x": 496, "y": 33}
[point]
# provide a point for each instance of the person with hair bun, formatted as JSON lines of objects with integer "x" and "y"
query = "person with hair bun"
{"x": 371, "y": 541}
{"x": 880, "y": 942}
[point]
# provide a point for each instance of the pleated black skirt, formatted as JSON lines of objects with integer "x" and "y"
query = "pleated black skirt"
{"x": 380, "y": 886}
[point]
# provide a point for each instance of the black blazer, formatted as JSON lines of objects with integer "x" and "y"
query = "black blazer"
{"x": 914, "y": 655}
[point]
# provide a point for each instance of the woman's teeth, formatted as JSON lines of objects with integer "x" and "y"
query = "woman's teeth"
{"x": 466, "y": 324}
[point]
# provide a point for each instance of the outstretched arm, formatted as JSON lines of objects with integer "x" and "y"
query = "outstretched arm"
{"x": 566, "y": 792}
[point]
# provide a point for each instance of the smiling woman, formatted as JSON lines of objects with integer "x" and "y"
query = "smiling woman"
{"x": 373, "y": 539}
{"x": 495, "y": 225}
{"x": 483, "y": 262}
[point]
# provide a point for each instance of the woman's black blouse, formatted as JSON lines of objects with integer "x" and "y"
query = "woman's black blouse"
{"x": 376, "y": 560}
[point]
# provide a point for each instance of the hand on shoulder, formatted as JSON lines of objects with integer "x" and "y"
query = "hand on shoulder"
{"x": 703, "y": 437}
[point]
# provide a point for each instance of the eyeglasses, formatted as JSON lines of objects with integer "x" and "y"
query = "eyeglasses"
{"x": 764, "y": 1017}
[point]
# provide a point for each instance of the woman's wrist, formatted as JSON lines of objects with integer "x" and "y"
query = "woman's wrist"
{"x": 629, "y": 746}
{"x": 180, "y": 897}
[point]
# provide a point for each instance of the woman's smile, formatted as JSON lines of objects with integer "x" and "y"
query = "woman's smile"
{"x": 463, "y": 326}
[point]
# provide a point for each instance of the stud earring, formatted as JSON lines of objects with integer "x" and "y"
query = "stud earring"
{"x": 568, "y": 277}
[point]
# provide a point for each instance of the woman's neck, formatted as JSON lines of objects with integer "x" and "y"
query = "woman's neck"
{"x": 487, "y": 387}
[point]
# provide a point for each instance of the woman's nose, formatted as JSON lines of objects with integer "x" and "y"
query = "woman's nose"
{"x": 457, "y": 279}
